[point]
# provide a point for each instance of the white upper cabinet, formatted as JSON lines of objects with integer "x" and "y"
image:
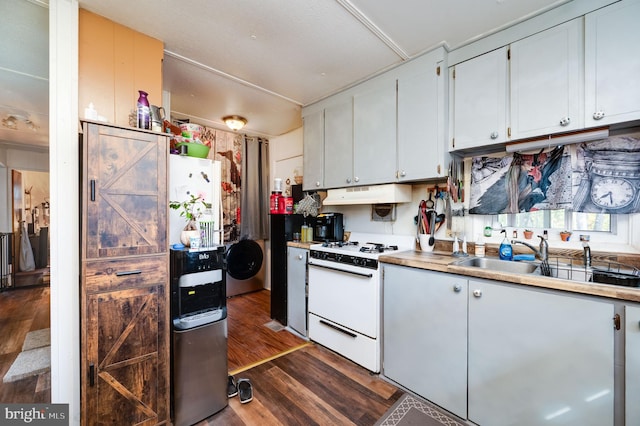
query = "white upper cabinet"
{"x": 421, "y": 118}
{"x": 338, "y": 143}
{"x": 478, "y": 101}
{"x": 612, "y": 64}
{"x": 546, "y": 82}
{"x": 374, "y": 132}
{"x": 313, "y": 148}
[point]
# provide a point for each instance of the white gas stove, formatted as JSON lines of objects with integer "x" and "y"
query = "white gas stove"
{"x": 345, "y": 294}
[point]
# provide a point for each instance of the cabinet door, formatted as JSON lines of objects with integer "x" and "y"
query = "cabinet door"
{"x": 537, "y": 357}
{"x": 313, "y": 146}
{"x": 374, "y": 132}
{"x": 478, "y": 110}
{"x": 297, "y": 289}
{"x": 425, "y": 334}
{"x": 612, "y": 63}
{"x": 421, "y": 132}
{"x": 125, "y": 192}
{"x": 125, "y": 368}
{"x": 632, "y": 365}
{"x": 338, "y": 144}
{"x": 547, "y": 94}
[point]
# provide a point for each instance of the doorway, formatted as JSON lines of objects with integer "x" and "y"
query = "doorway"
{"x": 25, "y": 303}
{"x": 30, "y": 225}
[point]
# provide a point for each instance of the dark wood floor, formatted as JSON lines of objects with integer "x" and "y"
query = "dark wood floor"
{"x": 250, "y": 341}
{"x": 294, "y": 381}
{"x": 309, "y": 386}
{"x": 22, "y": 310}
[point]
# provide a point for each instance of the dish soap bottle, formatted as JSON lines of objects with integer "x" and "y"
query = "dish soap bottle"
{"x": 506, "y": 251}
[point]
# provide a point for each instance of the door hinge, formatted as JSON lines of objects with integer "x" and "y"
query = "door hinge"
{"x": 616, "y": 321}
{"x": 453, "y": 75}
{"x": 508, "y": 54}
{"x": 438, "y": 70}
{"x": 453, "y": 142}
{"x": 438, "y": 169}
{"x": 509, "y": 131}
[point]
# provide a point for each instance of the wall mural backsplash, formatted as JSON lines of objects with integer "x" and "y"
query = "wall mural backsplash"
{"x": 598, "y": 177}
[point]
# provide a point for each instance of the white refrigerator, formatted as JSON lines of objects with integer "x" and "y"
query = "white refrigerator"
{"x": 197, "y": 176}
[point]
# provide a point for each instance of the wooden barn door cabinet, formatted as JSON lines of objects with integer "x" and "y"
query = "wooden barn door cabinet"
{"x": 124, "y": 276}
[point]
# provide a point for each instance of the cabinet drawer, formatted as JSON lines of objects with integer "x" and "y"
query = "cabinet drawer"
{"x": 101, "y": 275}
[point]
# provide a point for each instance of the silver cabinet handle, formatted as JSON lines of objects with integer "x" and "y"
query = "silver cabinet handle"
{"x": 565, "y": 121}
{"x": 348, "y": 180}
{"x": 356, "y": 179}
{"x": 300, "y": 257}
{"x": 494, "y": 135}
{"x": 477, "y": 293}
{"x": 317, "y": 183}
{"x": 457, "y": 288}
{"x": 598, "y": 115}
{"x": 403, "y": 173}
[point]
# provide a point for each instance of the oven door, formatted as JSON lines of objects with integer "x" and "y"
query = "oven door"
{"x": 347, "y": 295}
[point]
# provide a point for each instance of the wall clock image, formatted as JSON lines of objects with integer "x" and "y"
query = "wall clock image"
{"x": 612, "y": 192}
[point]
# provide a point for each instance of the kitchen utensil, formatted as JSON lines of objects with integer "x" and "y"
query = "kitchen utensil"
{"x": 440, "y": 219}
{"x": 432, "y": 227}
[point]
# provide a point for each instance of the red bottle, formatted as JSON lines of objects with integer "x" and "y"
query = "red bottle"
{"x": 281, "y": 204}
{"x": 274, "y": 202}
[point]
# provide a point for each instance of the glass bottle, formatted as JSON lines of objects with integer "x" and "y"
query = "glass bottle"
{"x": 143, "y": 111}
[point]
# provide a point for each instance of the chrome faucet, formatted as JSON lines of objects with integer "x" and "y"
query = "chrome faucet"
{"x": 542, "y": 252}
{"x": 586, "y": 254}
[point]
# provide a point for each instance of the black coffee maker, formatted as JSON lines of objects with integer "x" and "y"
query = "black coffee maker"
{"x": 329, "y": 227}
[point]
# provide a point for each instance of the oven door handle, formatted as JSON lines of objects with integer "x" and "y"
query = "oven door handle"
{"x": 360, "y": 274}
{"x": 335, "y": 327}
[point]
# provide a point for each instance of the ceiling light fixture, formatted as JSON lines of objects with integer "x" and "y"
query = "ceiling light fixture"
{"x": 234, "y": 122}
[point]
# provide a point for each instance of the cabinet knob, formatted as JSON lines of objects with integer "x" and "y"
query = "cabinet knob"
{"x": 403, "y": 173}
{"x": 494, "y": 135}
{"x": 300, "y": 257}
{"x": 348, "y": 180}
{"x": 457, "y": 288}
{"x": 565, "y": 121}
{"x": 598, "y": 115}
{"x": 477, "y": 293}
{"x": 317, "y": 183}
{"x": 356, "y": 179}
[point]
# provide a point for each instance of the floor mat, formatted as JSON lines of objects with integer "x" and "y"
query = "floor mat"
{"x": 409, "y": 411}
{"x": 29, "y": 363}
{"x": 37, "y": 339}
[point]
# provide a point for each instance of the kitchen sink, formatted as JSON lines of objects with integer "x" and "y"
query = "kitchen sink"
{"x": 499, "y": 265}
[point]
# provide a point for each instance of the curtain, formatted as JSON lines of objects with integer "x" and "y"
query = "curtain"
{"x": 521, "y": 182}
{"x": 255, "y": 189}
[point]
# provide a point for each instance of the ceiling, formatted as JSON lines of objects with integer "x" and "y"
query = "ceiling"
{"x": 263, "y": 60}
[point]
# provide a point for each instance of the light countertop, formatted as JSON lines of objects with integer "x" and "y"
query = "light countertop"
{"x": 445, "y": 262}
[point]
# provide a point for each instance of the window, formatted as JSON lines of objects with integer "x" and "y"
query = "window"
{"x": 559, "y": 219}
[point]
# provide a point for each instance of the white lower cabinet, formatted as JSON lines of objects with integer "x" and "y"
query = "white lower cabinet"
{"x": 632, "y": 365}
{"x": 425, "y": 334}
{"x": 538, "y": 357}
{"x": 503, "y": 355}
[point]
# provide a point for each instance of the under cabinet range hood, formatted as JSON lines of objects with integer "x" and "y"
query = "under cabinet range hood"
{"x": 374, "y": 194}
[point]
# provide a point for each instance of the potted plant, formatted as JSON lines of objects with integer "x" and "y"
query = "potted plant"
{"x": 191, "y": 210}
{"x": 565, "y": 235}
{"x": 528, "y": 233}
